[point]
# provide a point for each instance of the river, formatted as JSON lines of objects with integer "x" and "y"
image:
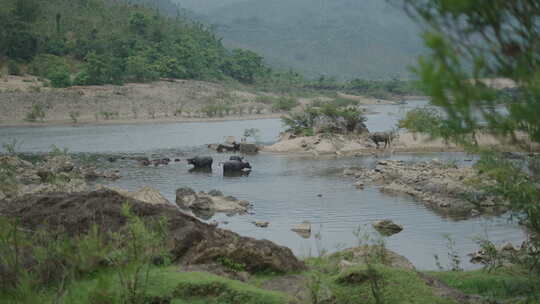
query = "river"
{"x": 283, "y": 188}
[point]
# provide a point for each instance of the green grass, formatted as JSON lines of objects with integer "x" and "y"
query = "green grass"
{"x": 501, "y": 285}
{"x": 399, "y": 286}
{"x": 172, "y": 285}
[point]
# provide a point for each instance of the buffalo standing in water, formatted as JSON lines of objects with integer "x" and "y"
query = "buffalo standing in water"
{"x": 235, "y": 166}
{"x": 201, "y": 162}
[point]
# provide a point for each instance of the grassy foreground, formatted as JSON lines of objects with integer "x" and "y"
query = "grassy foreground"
{"x": 134, "y": 265}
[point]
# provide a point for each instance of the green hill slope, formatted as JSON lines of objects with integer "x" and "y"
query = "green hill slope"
{"x": 106, "y": 41}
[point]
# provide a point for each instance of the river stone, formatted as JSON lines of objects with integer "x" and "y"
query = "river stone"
{"x": 387, "y": 227}
{"x": 261, "y": 224}
{"x": 303, "y": 229}
{"x": 248, "y": 148}
{"x": 190, "y": 241}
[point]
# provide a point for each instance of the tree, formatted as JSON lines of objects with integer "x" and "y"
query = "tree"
{"x": 244, "y": 65}
{"x": 469, "y": 41}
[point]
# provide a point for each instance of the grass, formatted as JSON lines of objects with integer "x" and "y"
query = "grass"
{"x": 398, "y": 285}
{"x": 169, "y": 284}
{"x": 500, "y": 285}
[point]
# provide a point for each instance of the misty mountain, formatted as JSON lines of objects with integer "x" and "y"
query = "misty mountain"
{"x": 344, "y": 38}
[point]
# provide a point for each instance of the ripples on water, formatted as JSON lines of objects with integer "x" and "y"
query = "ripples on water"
{"x": 283, "y": 188}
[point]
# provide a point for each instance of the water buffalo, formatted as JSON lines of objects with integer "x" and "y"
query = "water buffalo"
{"x": 200, "y": 162}
{"x": 385, "y": 137}
{"x": 235, "y": 166}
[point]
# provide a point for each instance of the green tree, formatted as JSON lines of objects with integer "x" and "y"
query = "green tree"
{"x": 244, "y": 65}
{"x": 469, "y": 41}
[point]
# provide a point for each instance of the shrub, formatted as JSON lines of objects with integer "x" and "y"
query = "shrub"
{"x": 13, "y": 68}
{"x": 36, "y": 113}
{"x": 284, "y": 104}
{"x": 60, "y": 77}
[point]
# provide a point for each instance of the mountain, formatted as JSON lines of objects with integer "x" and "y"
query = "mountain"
{"x": 343, "y": 38}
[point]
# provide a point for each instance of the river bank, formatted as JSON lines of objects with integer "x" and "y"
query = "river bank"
{"x": 24, "y": 101}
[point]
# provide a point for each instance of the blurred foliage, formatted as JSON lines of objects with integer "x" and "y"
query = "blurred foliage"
{"x": 471, "y": 43}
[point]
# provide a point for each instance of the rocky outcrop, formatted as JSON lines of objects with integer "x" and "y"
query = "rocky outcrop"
{"x": 145, "y": 194}
{"x": 189, "y": 240}
{"x": 248, "y": 148}
{"x": 446, "y": 188}
{"x": 359, "y": 255}
{"x": 56, "y": 173}
{"x": 321, "y": 144}
{"x": 206, "y": 204}
{"x": 387, "y": 227}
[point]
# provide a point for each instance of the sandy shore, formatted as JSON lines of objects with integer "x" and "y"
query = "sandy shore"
{"x": 405, "y": 142}
{"x": 164, "y": 101}
{"x": 161, "y": 120}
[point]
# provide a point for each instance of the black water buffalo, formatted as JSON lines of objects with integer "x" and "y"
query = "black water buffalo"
{"x": 200, "y": 162}
{"x": 236, "y": 157}
{"x": 385, "y": 137}
{"x": 235, "y": 166}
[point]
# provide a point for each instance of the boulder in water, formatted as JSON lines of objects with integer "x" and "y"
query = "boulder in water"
{"x": 387, "y": 227}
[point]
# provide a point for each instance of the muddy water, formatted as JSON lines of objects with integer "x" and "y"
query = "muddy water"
{"x": 283, "y": 188}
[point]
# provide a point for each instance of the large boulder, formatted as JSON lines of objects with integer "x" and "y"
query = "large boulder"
{"x": 190, "y": 240}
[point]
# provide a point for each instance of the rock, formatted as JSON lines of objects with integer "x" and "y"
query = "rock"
{"x": 319, "y": 195}
{"x": 189, "y": 240}
{"x": 303, "y": 229}
{"x": 230, "y": 140}
{"x": 358, "y": 256}
{"x": 2, "y": 196}
{"x": 344, "y": 264}
{"x": 248, "y": 148}
{"x": 57, "y": 164}
{"x": 359, "y": 185}
{"x": 508, "y": 247}
{"x": 213, "y": 201}
{"x": 215, "y": 193}
{"x": 387, "y": 227}
{"x": 261, "y": 224}
{"x": 145, "y": 194}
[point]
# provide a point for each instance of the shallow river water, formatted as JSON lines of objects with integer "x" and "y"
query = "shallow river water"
{"x": 283, "y": 188}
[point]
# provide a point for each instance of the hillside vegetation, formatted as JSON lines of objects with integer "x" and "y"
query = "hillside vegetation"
{"x": 92, "y": 42}
{"x": 344, "y": 38}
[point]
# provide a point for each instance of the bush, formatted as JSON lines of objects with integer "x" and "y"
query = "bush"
{"x": 284, "y": 104}
{"x": 82, "y": 78}
{"x": 13, "y": 68}
{"x": 60, "y": 77}
{"x": 36, "y": 113}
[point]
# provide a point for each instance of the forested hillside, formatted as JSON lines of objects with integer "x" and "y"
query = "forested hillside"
{"x": 108, "y": 41}
{"x": 344, "y": 38}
